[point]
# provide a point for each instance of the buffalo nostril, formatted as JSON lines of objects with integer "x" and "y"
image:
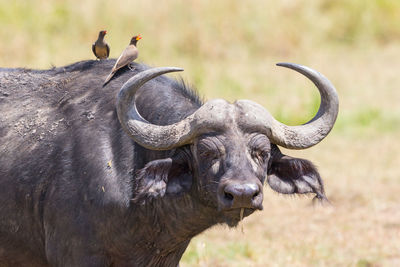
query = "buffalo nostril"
{"x": 255, "y": 195}
{"x": 228, "y": 196}
{"x": 238, "y": 195}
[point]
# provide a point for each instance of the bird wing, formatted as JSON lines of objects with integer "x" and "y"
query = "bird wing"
{"x": 128, "y": 55}
{"x": 94, "y": 49}
{"x": 108, "y": 49}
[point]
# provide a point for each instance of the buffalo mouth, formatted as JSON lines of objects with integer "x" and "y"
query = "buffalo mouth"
{"x": 232, "y": 217}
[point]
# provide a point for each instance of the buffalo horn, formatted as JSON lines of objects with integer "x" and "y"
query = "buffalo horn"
{"x": 163, "y": 137}
{"x": 302, "y": 136}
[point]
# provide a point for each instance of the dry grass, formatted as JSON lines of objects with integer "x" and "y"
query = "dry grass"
{"x": 228, "y": 49}
{"x": 361, "y": 228}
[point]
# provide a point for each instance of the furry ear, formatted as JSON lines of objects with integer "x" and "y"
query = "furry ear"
{"x": 169, "y": 176}
{"x": 289, "y": 175}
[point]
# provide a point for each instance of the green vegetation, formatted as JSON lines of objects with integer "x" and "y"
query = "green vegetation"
{"x": 228, "y": 50}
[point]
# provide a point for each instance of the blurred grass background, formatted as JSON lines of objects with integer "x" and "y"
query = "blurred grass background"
{"x": 228, "y": 50}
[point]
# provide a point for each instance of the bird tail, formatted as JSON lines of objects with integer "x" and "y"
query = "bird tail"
{"x": 108, "y": 77}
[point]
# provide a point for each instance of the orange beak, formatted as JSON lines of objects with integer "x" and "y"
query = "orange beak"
{"x": 138, "y": 37}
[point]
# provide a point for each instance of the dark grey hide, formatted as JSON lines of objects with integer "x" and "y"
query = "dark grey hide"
{"x": 76, "y": 190}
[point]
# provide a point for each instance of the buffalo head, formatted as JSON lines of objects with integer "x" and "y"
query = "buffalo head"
{"x": 223, "y": 152}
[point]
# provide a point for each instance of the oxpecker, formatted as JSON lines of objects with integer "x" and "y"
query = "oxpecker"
{"x": 100, "y": 48}
{"x": 128, "y": 56}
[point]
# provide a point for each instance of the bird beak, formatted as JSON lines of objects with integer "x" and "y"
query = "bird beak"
{"x": 138, "y": 37}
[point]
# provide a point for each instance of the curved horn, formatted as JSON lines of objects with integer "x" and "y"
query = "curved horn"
{"x": 158, "y": 137}
{"x": 308, "y": 134}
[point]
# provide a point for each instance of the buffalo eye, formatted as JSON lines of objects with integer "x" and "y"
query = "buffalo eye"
{"x": 260, "y": 149}
{"x": 260, "y": 155}
{"x": 208, "y": 154}
{"x": 208, "y": 150}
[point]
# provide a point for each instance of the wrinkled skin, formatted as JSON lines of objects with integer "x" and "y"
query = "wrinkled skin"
{"x": 75, "y": 190}
{"x": 222, "y": 159}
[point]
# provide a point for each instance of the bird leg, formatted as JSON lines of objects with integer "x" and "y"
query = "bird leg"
{"x": 131, "y": 67}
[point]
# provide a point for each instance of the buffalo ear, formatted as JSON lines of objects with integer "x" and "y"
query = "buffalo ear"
{"x": 169, "y": 176}
{"x": 288, "y": 175}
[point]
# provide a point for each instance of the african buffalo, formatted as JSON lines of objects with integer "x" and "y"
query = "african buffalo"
{"x": 89, "y": 181}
